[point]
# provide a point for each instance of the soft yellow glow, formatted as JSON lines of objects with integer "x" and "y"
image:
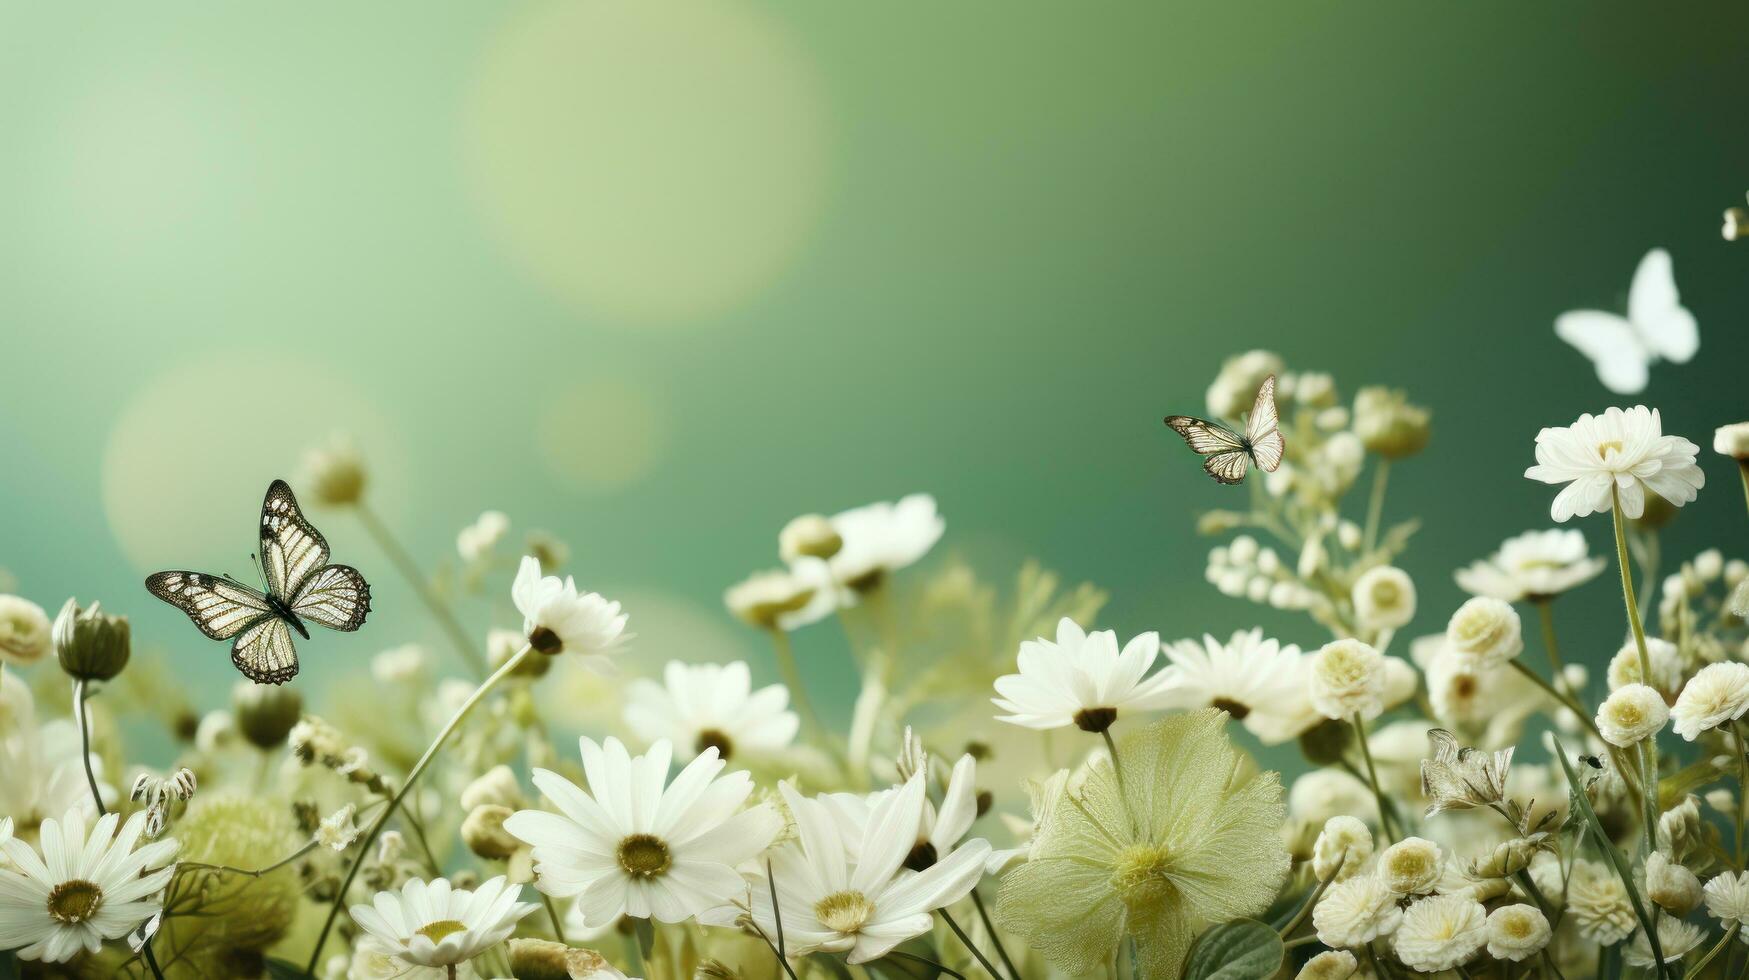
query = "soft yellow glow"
{"x": 602, "y": 435}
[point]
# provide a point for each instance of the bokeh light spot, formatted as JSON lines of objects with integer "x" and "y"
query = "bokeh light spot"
{"x": 602, "y": 435}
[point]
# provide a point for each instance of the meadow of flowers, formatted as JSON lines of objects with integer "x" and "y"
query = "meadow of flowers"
{"x": 1016, "y": 794}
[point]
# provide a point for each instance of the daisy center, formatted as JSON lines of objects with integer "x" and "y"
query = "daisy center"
{"x": 713, "y": 738}
{"x": 1141, "y": 874}
{"x": 1095, "y": 720}
{"x": 435, "y": 931}
{"x": 922, "y": 857}
{"x": 1604, "y": 449}
{"x": 74, "y": 901}
{"x": 1236, "y": 710}
{"x": 845, "y": 912}
{"x": 644, "y": 856}
{"x": 545, "y": 641}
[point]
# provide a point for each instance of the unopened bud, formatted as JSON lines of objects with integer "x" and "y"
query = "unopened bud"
{"x": 265, "y": 714}
{"x": 483, "y": 831}
{"x": 810, "y": 536}
{"x": 91, "y": 644}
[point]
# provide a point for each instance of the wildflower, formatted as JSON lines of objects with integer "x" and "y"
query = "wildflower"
{"x": 705, "y": 706}
{"x": 1676, "y": 939}
{"x": 1517, "y": 932}
{"x": 483, "y": 831}
{"x": 1411, "y": 866}
{"x": 91, "y": 644}
{"x": 24, "y": 631}
{"x": 1484, "y": 634}
{"x": 1235, "y": 388}
{"x": 265, "y": 713}
{"x": 882, "y": 538}
{"x": 808, "y": 536}
{"x": 674, "y": 849}
{"x": 1624, "y": 453}
{"x": 1631, "y": 714}
{"x": 1535, "y": 565}
{"x": 856, "y": 899}
{"x": 1672, "y": 886}
{"x": 1110, "y": 858}
{"x": 1354, "y": 912}
{"x": 337, "y": 830}
{"x": 1245, "y": 674}
{"x": 939, "y": 831}
{"x": 1458, "y": 778}
{"x": 1384, "y": 598}
{"x": 1599, "y": 904}
{"x": 1345, "y": 839}
{"x": 786, "y": 599}
{"x": 477, "y": 540}
{"x": 1732, "y": 440}
{"x": 1332, "y": 964}
{"x": 1441, "y": 932}
{"x": 1717, "y": 694}
{"x": 556, "y": 618}
{"x": 1348, "y": 678}
{"x": 1666, "y": 660}
{"x": 1081, "y": 679}
{"x": 1727, "y": 897}
{"x": 335, "y": 474}
{"x": 1387, "y": 424}
{"x": 81, "y": 889}
{"x": 434, "y": 924}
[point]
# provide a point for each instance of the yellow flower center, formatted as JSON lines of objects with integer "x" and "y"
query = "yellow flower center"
{"x": 74, "y": 901}
{"x": 1516, "y": 926}
{"x": 442, "y": 927}
{"x": 1605, "y": 448}
{"x": 1142, "y": 874}
{"x": 712, "y": 738}
{"x": 845, "y": 912}
{"x": 644, "y": 856}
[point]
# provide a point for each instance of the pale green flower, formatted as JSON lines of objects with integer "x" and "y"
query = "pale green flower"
{"x": 1197, "y": 843}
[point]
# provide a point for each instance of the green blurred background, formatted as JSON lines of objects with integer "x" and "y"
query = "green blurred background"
{"x": 657, "y": 277}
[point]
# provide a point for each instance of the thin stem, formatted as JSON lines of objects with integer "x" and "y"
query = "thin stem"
{"x": 377, "y": 825}
{"x": 966, "y": 941}
{"x": 927, "y": 962}
{"x": 1117, "y": 771}
{"x": 1648, "y": 758}
{"x": 1545, "y": 609}
{"x": 1723, "y": 942}
{"x": 1561, "y": 697}
{"x": 1312, "y": 899}
{"x": 1743, "y": 471}
{"x": 995, "y": 939}
{"x": 553, "y": 916}
{"x": 776, "y": 912}
{"x": 82, "y": 714}
{"x": 1387, "y": 817}
{"x": 1549, "y": 961}
{"x": 1375, "y": 507}
{"x": 1742, "y": 789}
{"x": 792, "y": 678}
{"x": 404, "y": 564}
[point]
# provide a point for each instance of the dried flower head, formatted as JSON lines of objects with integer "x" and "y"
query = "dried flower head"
{"x": 1458, "y": 778}
{"x": 1441, "y": 932}
{"x": 1631, "y": 714}
{"x": 1384, "y": 598}
{"x": 1411, "y": 866}
{"x": 1342, "y": 849}
{"x": 1517, "y": 932}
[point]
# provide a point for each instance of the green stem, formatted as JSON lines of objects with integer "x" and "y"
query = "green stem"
{"x": 1648, "y": 758}
{"x": 82, "y": 714}
{"x": 995, "y": 938}
{"x": 1117, "y": 771}
{"x": 1743, "y": 471}
{"x": 792, "y": 678}
{"x": 553, "y": 916}
{"x": 1312, "y": 899}
{"x": 1375, "y": 506}
{"x": 1723, "y": 942}
{"x": 1742, "y": 789}
{"x": 1387, "y": 817}
{"x": 1561, "y": 697}
{"x": 439, "y": 611}
{"x": 966, "y": 941}
{"x": 377, "y": 825}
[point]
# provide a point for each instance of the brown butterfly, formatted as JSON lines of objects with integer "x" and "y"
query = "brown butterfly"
{"x": 1229, "y": 455}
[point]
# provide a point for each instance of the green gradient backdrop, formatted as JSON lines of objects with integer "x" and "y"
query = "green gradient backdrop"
{"x": 660, "y": 277}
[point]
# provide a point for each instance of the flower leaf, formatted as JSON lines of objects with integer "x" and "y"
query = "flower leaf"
{"x": 1243, "y": 949}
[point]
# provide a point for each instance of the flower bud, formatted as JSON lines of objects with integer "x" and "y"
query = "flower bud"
{"x": 538, "y": 959}
{"x": 1327, "y": 743}
{"x": 483, "y": 831}
{"x": 24, "y": 631}
{"x": 91, "y": 644}
{"x": 809, "y": 536}
{"x": 265, "y": 714}
{"x": 497, "y": 787}
{"x": 1508, "y": 859}
{"x": 335, "y": 474}
{"x": 1672, "y": 886}
{"x": 1736, "y": 224}
{"x": 1387, "y": 424}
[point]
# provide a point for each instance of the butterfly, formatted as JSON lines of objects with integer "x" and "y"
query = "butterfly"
{"x": 1656, "y": 327}
{"x": 300, "y": 587}
{"x": 1228, "y": 454}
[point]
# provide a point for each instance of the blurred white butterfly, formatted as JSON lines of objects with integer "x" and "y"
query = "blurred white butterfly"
{"x": 1657, "y": 327}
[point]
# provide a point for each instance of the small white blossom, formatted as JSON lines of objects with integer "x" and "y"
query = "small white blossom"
{"x": 1384, "y": 598}
{"x": 1621, "y": 452}
{"x": 1441, "y": 932}
{"x": 1348, "y": 678}
{"x": 1631, "y": 714}
{"x": 1354, "y": 912}
{"x": 1484, "y": 633}
{"x": 1517, "y": 932}
{"x": 1716, "y": 695}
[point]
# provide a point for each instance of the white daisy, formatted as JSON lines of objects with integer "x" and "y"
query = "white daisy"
{"x": 1533, "y": 565}
{"x": 1666, "y": 660}
{"x": 477, "y": 539}
{"x": 865, "y": 903}
{"x": 1623, "y": 449}
{"x": 1719, "y": 693}
{"x": 1517, "y": 932}
{"x": 701, "y": 706}
{"x": 434, "y": 924}
{"x": 1245, "y": 674}
{"x": 556, "y": 618}
{"x": 785, "y": 599}
{"x": 43, "y": 765}
{"x": 1485, "y": 633}
{"x": 1081, "y": 679}
{"x": 632, "y": 846}
{"x": 376, "y": 959}
{"x": 883, "y": 537}
{"x": 82, "y": 889}
{"x": 939, "y": 830}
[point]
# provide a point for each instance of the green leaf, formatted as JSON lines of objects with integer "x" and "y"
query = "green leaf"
{"x": 1243, "y": 949}
{"x": 276, "y": 970}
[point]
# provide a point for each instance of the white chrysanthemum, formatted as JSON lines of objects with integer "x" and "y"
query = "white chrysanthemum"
{"x": 1676, "y": 939}
{"x": 1732, "y": 440}
{"x": 82, "y": 889}
{"x": 1082, "y": 679}
{"x": 701, "y": 706}
{"x": 25, "y": 631}
{"x": 477, "y": 540}
{"x": 1600, "y": 905}
{"x": 1717, "y": 694}
{"x": 785, "y": 599}
{"x": 1631, "y": 714}
{"x": 631, "y": 846}
{"x": 1344, "y": 839}
{"x": 1354, "y": 912}
{"x": 1666, "y": 660}
{"x": 1411, "y": 866}
{"x": 1384, "y": 598}
{"x": 1247, "y": 673}
{"x": 1332, "y": 964}
{"x": 1727, "y": 897}
{"x": 1517, "y": 932}
{"x": 43, "y": 767}
{"x": 1440, "y": 932}
{"x": 1348, "y": 678}
{"x": 433, "y": 924}
{"x": 1532, "y": 565}
{"x": 1623, "y": 449}
{"x": 556, "y": 618}
{"x": 1485, "y": 633}
{"x": 882, "y": 538}
{"x": 861, "y": 900}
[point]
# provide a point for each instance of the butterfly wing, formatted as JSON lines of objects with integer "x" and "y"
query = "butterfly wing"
{"x": 336, "y": 596}
{"x": 219, "y": 607}
{"x": 1263, "y": 429}
{"x": 264, "y": 652}
{"x": 1656, "y": 311}
{"x": 1226, "y": 459}
{"x": 1612, "y": 344}
{"x": 292, "y": 549}
{"x": 1228, "y": 467}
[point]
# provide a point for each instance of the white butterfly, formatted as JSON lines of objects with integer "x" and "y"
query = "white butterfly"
{"x": 1657, "y": 327}
{"x": 1228, "y": 455}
